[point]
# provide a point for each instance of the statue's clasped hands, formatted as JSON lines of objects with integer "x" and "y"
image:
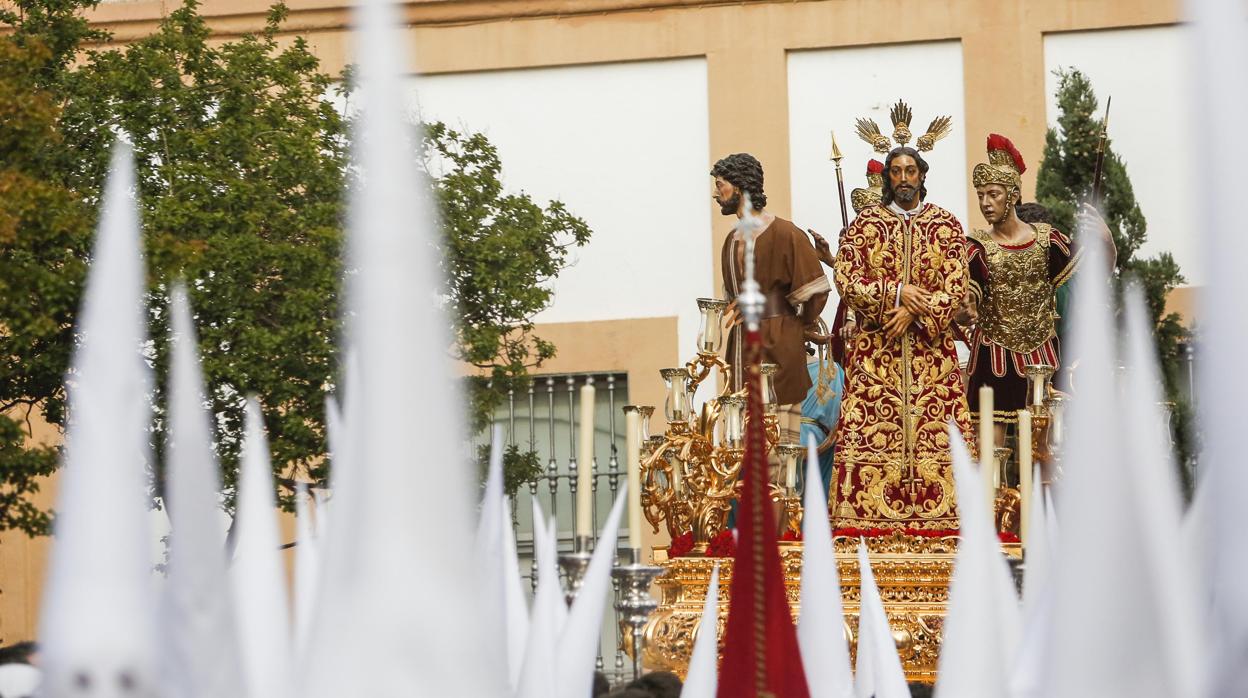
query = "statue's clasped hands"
{"x": 915, "y": 303}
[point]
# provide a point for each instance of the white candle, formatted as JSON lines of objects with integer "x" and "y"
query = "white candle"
{"x": 585, "y": 466}
{"x": 678, "y": 398}
{"x": 710, "y": 335}
{"x": 1024, "y": 474}
{"x": 987, "y": 444}
{"x": 632, "y": 454}
{"x": 790, "y": 473}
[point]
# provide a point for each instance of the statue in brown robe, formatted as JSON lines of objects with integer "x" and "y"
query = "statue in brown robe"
{"x": 788, "y": 271}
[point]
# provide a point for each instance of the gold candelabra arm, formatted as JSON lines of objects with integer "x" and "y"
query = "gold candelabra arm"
{"x": 1008, "y": 510}
{"x": 706, "y": 421}
{"x": 793, "y": 513}
{"x": 1041, "y": 453}
{"x": 771, "y": 427}
{"x": 656, "y": 496}
{"x": 700, "y": 368}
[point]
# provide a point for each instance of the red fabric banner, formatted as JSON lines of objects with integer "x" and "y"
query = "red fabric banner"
{"x": 761, "y": 658}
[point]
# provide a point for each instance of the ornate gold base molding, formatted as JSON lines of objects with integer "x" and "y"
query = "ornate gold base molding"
{"x": 912, "y": 574}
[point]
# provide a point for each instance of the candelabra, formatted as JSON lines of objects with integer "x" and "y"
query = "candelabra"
{"x": 1009, "y": 500}
{"x": 574, "y": 565}
{"x": 634, "y": 602}
{"x": 1046, "y": 406}
{"x": 689, "y": 474}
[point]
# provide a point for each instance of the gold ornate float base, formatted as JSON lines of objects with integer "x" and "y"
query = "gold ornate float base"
{"x": 912, "y": 574}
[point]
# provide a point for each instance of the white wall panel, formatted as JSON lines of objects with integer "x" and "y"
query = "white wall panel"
{"x": 625, "y": 146}
{"x": 830, "y": 88}
{"x": 1149, "y": 74}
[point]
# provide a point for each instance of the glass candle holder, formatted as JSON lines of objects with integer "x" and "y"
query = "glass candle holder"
{"x": 768, "y": 383}
{"x": 676, "y": 407}
{"x": 1056, "y": 405}
{"x": 1001, "y": 455}
{"x": 732, "y": 414}
{"x": 646, "y": 411}
{"x": 678, "y": 469}
{"x": 1038, "y": 378}
{"x": 710, "y": 327}
{"x": 790, "y": 454}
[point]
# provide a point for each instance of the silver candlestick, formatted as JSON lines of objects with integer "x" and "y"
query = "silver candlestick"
{"x": 634, "y": 603}
{"x": 574, "y": 565}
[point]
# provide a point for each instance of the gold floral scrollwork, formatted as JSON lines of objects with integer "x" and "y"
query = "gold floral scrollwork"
{"x": 912, "y": 573}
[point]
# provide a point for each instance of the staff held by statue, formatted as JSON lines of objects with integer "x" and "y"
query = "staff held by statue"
{"x": 840, "y": 181}
{"x": 1099, "y": 171}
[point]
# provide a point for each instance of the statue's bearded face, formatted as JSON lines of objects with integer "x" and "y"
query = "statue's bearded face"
{"x": 905, "y": 178}
{"x": 995, "y": 202}
{"x": 727, "y": 196}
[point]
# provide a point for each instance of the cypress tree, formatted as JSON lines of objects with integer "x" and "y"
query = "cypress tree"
{"x": 1064, "y": 182}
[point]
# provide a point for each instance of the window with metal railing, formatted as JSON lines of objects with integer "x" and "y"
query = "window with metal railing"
{"x": 544, "y": 419}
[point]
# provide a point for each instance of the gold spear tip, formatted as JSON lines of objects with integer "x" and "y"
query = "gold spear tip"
{"x": 836, "y": 151}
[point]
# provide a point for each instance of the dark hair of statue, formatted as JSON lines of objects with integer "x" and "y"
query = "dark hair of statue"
{"x": 1033, "y": 212}
{"x": 886, "y": 195}
{"x": 744, "y": 172}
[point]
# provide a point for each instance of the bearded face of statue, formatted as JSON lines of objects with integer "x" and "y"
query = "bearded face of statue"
{"x": 727, "y": 196}
{"x": 906, "y": 180}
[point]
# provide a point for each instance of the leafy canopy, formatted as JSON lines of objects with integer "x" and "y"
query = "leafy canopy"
{"x": 1065, "y": 181}
{"x": 242, "y": 159}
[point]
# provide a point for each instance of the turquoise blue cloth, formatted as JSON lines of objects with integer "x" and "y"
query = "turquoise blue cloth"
{"x": 818, "y": 419}
{"x": 820, "y": 410}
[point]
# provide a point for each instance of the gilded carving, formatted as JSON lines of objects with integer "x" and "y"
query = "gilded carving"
{"x": 912, "y": 573}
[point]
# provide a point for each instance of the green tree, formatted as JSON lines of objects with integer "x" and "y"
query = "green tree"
{"x": 241, "y": 160}
{"x": 43, "y": 230}
{"x": 1065, "y": 181}
{"x": 503, "y": 249}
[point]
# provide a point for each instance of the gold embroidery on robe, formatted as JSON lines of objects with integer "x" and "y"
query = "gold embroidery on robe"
{"x": 892, "y": 458}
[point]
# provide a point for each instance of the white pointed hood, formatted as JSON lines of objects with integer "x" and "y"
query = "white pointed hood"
{"x": 488, "y": 550}
{"x": 199, "y": 655}
{"x": 578, "y": 643}
{"x": 388, "y": 623}
{"x": 1026, "y": 674}
{"x": 517, "y": 611}
{"x": 1220, "y": 40}
{"x": 100, "y": 576}
{"x": 538, "y": 674}
{"x": 982, "y": 621}
{"x": 1109, "y": 451}
{"x": 820, "y": 630}
{"x": 879, "y": 673}
{"x": 258, "y": 574}
{"x": 307, "y": 570}
{"x": 1176, "y": 606}
{"x": 702, "y": 681}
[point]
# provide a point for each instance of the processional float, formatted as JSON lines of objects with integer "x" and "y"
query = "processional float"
{"x": 690, "y": 477}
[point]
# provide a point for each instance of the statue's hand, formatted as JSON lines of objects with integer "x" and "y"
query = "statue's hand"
{"x": 896, "y": 322}
{"x": 822, "y": 248}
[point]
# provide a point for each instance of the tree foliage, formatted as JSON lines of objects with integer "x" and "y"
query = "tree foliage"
{"x": 502, "y": 250}
{"x": 241, "y": 161}
{"x": 44, "y": 230}
{"x": 1065, "y": 181}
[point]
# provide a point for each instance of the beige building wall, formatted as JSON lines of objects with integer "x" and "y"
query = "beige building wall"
{"x": 746, "y": 46}
{"x": 23, "y": 560}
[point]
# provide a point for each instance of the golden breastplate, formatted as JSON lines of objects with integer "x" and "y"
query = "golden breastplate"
{"x": 1018, "y": 310}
